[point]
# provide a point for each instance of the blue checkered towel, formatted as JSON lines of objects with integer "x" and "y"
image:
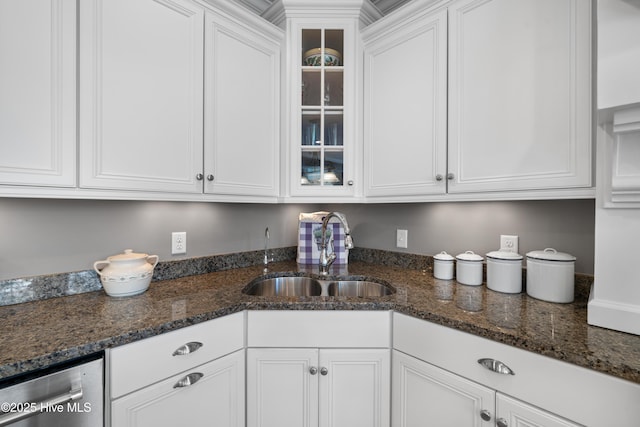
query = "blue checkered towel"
{"x": 309, "y": 239}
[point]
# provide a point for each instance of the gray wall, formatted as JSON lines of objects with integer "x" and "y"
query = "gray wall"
{"x": 42, "y": 236}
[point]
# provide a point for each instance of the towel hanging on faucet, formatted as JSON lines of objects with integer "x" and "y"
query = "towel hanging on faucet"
{"x": 309, "y": 238}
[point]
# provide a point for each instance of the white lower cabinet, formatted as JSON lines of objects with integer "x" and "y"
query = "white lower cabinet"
{"x": 318, "y": 387}
{"x": 193, "y": 376}
{"x": 210, "y": 394}
{"x": 425, "y": 395}
{"x": 437, "y": 376}
{"x": 318, "y": 368}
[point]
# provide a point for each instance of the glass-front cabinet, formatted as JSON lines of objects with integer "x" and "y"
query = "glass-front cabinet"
{"x": 323, "y": 95}
{"x": 323, "y": 136}
{"x": 322, "y": 108}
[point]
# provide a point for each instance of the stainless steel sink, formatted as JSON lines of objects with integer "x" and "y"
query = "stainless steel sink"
{"x": 287, "y": 286}
{"x": 303, "y": 286}
{"x": 358, "y": 288}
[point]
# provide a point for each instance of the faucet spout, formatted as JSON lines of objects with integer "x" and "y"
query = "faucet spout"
{"x": 327, "y": 259}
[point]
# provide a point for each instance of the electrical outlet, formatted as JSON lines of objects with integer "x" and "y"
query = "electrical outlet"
{"x": 401, "y": 238}
{"x": 178, "y": 242}
{"x": 508, "y": 243}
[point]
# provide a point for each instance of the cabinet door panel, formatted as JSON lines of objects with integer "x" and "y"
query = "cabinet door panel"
{"x": 405, "y": 109}
{"x": 216, "y": 399}
{"x": 355, "y": 391}
{"x": 424, "y": 395}
{"x": 141, "y": 95}
{"x": 242, "y": 109}
{"x": 37, "y": 92}
{"x": 519, "y": 98}
{"x": 519, "y": 414}
{"x": 281, "y": 391}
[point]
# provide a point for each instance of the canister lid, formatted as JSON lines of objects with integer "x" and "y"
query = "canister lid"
{"x": 469, "y": 256}
{"x": 550, "y": 254}
{"x": 504, "y": 255}
{"x": 443, "y": 256}
{"x": 128, "y": 255}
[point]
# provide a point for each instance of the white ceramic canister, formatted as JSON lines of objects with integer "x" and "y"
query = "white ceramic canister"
{"x": 469, "y": 268}
{"x": 443, "y": 266}
{"x": 504, "y": 272}
{"x": 551, "y": 275}
{"x": 126, "y": 274}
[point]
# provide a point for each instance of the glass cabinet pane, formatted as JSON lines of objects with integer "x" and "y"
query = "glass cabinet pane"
{"x": 322, "y": 107}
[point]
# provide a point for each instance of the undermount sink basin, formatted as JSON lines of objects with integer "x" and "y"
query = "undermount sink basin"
{"x": 302, "y": 286}
{"x": 358, "y": 288}
{"x": 288, "y": 286}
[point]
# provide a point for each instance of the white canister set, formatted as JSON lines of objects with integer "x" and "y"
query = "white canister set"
{"x": 550, "y": 274}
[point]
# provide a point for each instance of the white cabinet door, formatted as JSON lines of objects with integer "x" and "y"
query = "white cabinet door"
{"x": 216, "y": 398}
{"x": 424, "y": 395}
{"x": 514, "y": 413}
{"x": 37, "y": 92}
{"x": 141, "y": 95}
{"x": 242, "y": 107}
{"x": 519, "y": 98}
{"x": 405, "y": 109}
{"x": 354, "y": 388}
{"x": 310, "y": 387}
{"x": 282, "y": 387}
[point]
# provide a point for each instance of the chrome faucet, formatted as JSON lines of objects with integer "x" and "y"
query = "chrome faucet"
{"x": 327, "y": 259}
{"x": 266, "y": 249}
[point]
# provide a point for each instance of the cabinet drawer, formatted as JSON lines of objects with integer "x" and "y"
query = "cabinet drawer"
{"x": 139, "y": 364}
{"x": 217, "y": 394}
{"x": 579, "y": 394}
{"x": 346, "y": 329}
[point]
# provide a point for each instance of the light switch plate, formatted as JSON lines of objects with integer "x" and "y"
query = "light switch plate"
{"x": 401, "y": 238}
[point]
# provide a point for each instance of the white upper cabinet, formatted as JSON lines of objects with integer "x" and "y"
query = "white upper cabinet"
{"x": 242, "y": 107}
{"x": 177, "y": 102}
{"x": 519, "y": 95}
{"x": 405, "y": 108}
{"x": 479, "y": 99}
{"x": 141, "y": 95}
{"x": 322, "y": 149}
{"x": 38, "y": 92}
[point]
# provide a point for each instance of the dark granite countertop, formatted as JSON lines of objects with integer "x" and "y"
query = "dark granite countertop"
{"x": 41, "y": 333}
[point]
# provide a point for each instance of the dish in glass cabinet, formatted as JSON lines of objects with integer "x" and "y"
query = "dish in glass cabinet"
{"x": 313, "y": 57}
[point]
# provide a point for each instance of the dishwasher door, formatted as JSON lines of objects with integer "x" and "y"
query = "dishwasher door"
{"x": 68, "y": 397}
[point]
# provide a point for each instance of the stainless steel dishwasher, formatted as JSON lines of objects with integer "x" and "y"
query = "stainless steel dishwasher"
{"x": 69, "y": 395}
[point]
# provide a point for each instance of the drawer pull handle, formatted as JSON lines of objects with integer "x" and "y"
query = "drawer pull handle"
{"x": 501, "y": 422}
{"x": 188, "y": 348}
{"x": 324, "y": 371}
{"x": 189, "y": 380}
{"x": 313, "y": 370}
{"x": 485, "y": 415}
{"x": 496, "y": 366}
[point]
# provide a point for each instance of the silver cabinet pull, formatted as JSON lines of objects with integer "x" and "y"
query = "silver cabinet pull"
{"x": 501, "y": 422}
{"x": 350, "y": 182}
{"x": 188, "y": 348}
{"x": 496, "y": 366}
{"x": 485, "y": 415}
{"x": 199, "y": 176}
{"x": 189, "y": 380}
{"x": 450, "y": 176}
{"x": 439, "y": 177}
{"x": 324, "y": 371}
{"x": 36, "y": 408}
{"x": 209, "y": 177}
{"x": 313, "y": 370}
